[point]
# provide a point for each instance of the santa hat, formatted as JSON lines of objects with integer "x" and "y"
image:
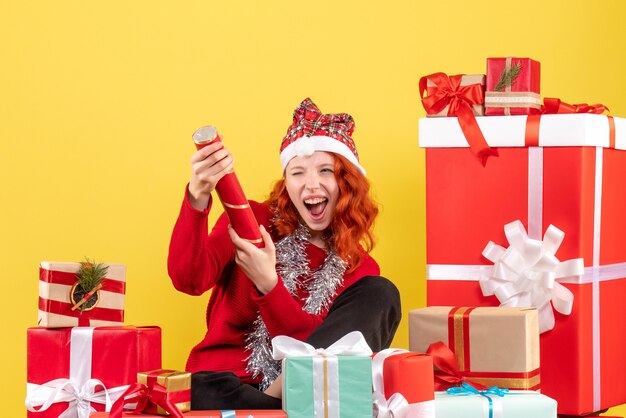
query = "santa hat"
{"x": 311, "y": 131}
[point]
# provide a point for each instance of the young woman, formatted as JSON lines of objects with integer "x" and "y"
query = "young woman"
{"x": 313, "y": 280}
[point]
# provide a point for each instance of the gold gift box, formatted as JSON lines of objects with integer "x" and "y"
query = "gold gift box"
{"x": 176, "y": 383}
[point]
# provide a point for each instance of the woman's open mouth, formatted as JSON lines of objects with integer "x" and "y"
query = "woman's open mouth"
{"x": 316, "y": 206}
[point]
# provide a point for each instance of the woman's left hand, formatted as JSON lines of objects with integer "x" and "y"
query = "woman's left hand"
{"x": 259, "y": 264}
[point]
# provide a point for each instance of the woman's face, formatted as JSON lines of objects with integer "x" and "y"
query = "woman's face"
{"x": 313, "y": 189}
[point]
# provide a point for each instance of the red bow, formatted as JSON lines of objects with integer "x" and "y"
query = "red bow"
{"x": 447, "y": 372}
{"x": 553, "y": 106}
{"x": 460, "y": 99}
{"x": 142, "y": 394}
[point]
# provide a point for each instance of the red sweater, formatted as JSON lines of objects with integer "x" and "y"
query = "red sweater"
{"x": 199, "y": 261}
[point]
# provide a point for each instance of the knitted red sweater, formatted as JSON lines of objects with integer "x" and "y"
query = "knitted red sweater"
{"x": 199, "y": 261}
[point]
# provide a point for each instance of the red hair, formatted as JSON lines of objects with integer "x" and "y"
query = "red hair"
{"x": 353, "y": 218}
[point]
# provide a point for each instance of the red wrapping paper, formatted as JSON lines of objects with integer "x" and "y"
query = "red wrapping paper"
{"x": 468, "y": 205}
{"x": 235, "y": 204}
{"x": 410, "y": 374}
{"x": 522, "y": 97}
{"x": 241, "y": 413}
{"x": 118, "y": 354}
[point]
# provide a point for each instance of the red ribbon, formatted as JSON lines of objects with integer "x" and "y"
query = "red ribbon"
{"x": 460, "y": 99}
{"x": 143, "y": 395}
{"x": 447, "y": 373}
{"x": 84, "y": 317}
{"x": 552, "y": 106}
{"x": 63, "y": 277}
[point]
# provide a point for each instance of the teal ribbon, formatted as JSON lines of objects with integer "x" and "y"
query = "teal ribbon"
{"x": 228, "y": 413}
{"x": 466, "y": 389}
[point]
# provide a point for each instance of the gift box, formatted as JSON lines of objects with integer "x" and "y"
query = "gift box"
{"x": 176, "y": 384}
{"x": 403, "y": 384}
{"x": 240, "y": 413}
{"x": 514, "y": 404}
{"x": 493, "y": 346}
{"x": 59, "y": 293}
{"x": 336, "y": 381}
{"x": 512, "y": 86}
{"x": 471, "y": 85}
{"x": 72, "y": 370}
{"x": 565, "y": 170}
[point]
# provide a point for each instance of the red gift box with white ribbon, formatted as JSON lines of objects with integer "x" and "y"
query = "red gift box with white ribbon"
{"x": 561, "y": 175}
{"x": 512, "y": 86}
{"x": 403, "y": 384}
{"x": 72, "y": 372}
{"x": 58, "y": 280}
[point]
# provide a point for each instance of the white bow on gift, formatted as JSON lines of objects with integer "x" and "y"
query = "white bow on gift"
{"x": 351, "y": 344}
{"x": 41, "y": 397}
{"x": 527, "y": 273}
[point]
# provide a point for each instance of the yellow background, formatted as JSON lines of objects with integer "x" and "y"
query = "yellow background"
{"x": 99, "y": 99}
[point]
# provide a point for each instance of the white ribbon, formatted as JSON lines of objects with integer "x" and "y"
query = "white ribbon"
{"x": 80, "y": 389}
{"x": 351, "y": 344}
{"x": 527, "y": 273}
{"x": 325, "y": 364}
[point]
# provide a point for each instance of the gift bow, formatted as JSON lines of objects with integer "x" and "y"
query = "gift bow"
{"x": 447, "y": 373}
{"x": 396, "y": 406}
{"x": 465, "y": 390}
{"x": 554, "y": 106}
{"x": 527, "y": 272}
{"x": 460, "y": 99}
{"x": 351, "y": 344}
{"x": 142, "y": 394}
{"x": 78, "y": 397}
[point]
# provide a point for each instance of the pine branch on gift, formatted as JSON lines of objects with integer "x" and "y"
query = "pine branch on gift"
{"x": 508, "y": 76}
{"x": 90, "y": 276}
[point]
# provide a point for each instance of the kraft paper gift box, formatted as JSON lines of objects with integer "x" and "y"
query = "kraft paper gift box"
{"x": 493, "y": 346}
{"x": 78, "y": 366}
{"x": 476, "y": 81}
{"x": 512, "y": 86}
{"x": 240, "y": 413}
{"x": 336, "y": 381}
{"x": 566, "y": 170}
{"x": 514, "y": 404}
{"x": 403, "y": 384}
{"x": 56, "y": 282}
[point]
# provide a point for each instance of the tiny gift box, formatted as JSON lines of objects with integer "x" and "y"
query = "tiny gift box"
{"x": 468, "y": 402}
{"x": 512, "y": 86}
{"x": 493, "y": 346}
{"x": 403, "y": 384}
{"x": 161, "y": 392}
{"x": 336, "y": 381}
{"x": 74, "y": 371}
{"x": 469, "y": 86}
{"x": 60, "y": 295}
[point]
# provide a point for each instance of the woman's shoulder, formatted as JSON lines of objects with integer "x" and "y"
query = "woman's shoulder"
{"x": 368, "y": 266}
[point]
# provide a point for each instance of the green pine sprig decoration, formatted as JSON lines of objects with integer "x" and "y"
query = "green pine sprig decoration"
{"x": 90, "y": 274}
{"x": 508, "y": 77}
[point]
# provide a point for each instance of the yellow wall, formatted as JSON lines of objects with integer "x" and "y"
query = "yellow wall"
{"x": 98, "y": 101}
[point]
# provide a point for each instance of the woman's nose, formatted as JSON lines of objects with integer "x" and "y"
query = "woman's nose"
{"x": 312, "y": 181}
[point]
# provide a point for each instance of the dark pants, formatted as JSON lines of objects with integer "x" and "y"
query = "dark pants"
{"x": 371, "y": 305}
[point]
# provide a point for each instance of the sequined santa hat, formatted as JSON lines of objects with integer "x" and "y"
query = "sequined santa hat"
{"x": 311, "y": 131}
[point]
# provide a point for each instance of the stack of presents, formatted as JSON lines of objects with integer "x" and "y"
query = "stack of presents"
{"x": 526, "y": 271}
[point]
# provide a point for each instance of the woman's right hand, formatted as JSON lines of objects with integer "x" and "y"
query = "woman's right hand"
{"x": 208, "y": 166}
